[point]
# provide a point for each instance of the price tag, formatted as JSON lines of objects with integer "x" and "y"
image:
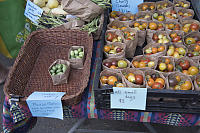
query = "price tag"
{"x": 46, "y": 104}
{"x": 32, "y": 11}
{"x": 126, "y": 5}
{"x": 128, "y": 98}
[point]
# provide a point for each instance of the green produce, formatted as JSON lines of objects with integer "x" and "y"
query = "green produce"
{"x": 77, "y": 53}
{"x": 58, "y": 69}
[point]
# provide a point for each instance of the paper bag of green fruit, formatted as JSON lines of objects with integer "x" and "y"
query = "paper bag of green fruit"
{"x": 59, "y": 71}
{"x": 76, "y": 57}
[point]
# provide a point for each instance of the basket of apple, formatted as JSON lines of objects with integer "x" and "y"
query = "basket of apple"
{"x": 110, "y": 78}
{"x": 130, "y": 40}
{"x": 158, "y": 17}
{"x": 141, "y": 27}
{"x": 165, "y": 65}
{"x": 179, "y": 81}
{"x": 187, "y": 66}
{"x": 192, "y": 38}
{"x": 140, "y": 16}
{"x": 116, "y": 64}
{"x": 185, "y": 14}
{"x": 179, "y": 4}
{"x": 114, "y": 15}
{"x": 155, "y": 79}
{"x": 133, "y": 78}
{"x": 171, "y": 15}
{"x": 172, "y": 25}
{"x": 147, "y": 6}
{"x": 161, "y": 37}
{"x": 176, "y": 37}
{"x": 164, "y": 6}
{"x": 194, "y": 51}
{"x": 116, "y": 24}
{"x": 114, "y": 36}
{"x": 177, "y": 51}
{"x": 190, "y": 26}
{"x": 115, "y": 50}
{"x": 197, "y": 82}
{"x": 155, "y": 50}
{"x": 143, "y": 62}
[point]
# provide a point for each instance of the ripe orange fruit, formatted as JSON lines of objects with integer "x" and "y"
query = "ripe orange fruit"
{"x": 154, "y": 50}
{"x": 104, "y": 79}
{"x": 170, "y": 67}
{"x": 161, "y": 48}
{"x": 160, "y": 80}
{"x": 150, "y": 82}
{"x": 112, "y": 80}
{"x": 185, "y": 72}
{"x": 153, "y": 26}
{"x": 106, "y": 48}
{"x": 167, "y": 61}
{"x": 136, "y": 24}
{"x": 142, "y": 65}
{"x": 135, "y": 64}
{"x": 113, "y": 67}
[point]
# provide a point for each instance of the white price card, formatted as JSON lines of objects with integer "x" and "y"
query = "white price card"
{"x": 128, "y": 98}
{"x": 126, "y": 5}
{"x": 32, "y": 11}
{"x": 46, "y": 104}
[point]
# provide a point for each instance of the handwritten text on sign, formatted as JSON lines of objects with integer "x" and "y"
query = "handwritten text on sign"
{"x": 46, "y": 104}
{"x": 128, "y": 98}
{"x": 32, "y": 11}
{"x": 126, "y": 5}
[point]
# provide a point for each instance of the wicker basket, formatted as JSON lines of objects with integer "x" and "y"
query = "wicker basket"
{"x": 30, "y": 70}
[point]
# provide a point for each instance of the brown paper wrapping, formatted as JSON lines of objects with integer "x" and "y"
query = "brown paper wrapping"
{"x": 152, "y": 71}
{"x": 140, "y": 15}
{"x": 183, "y": 78}
{"x": 192, "y": 63}
{"x": 169, "y": 19}
{"x": 63, "y": 78}
{"x": 185, "y": 11}
{"x": 131, "y": 44}
{"x": 141, "y": 33}
{"x": 115, "y": 59}
{"x": 172, "y": 22}
{"x": 84, "y": 9}
{"x": 161, "y": 59}
{"x": 148, "y": 4}
{"x": 163, "y": 53}
{"x": 127, "y": 15}
{"x": 110, "y": 73}
{"x": 74, "y": 24}
{"x": 117, "y": 32}
{"x": 179, "y": 33}
{"x": 134, "y": 71}
{"x": 190, "y": 21}
{"x": 197, "y": 88}
{"x": 117, "y": 55}
{"x": 170, "y": 5}
{"x": 76, "y": 63}
{"x": 150, "y": 35}
{"x": 116, "y": 23}
{"x": 139, "y": 57}
{"x": 193, "y": 35}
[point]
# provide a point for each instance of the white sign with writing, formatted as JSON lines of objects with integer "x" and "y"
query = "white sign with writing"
{"x": 128, "y": 98}
{"x": 46, "y": 104}
{"x": 126, "y": 5}
{"x": 32, "y": 11}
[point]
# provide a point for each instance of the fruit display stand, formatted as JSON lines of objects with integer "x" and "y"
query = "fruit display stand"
{"x": 95, "y": 103}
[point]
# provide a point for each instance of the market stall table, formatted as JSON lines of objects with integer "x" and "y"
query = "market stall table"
{"x": 17, "y": 117}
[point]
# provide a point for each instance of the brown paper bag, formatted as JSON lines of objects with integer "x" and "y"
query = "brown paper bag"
{"x": 192, "y": 63}
{"x": 130, "y": 16}
{"x": 84, "y": 9}
{"x": 134, "y": 71}
{"x": 74, "y": 24}
{"x": 117, "y": 24}
{"x": 181, "y": 18}
{"x": 111, "y": 73}
{"x": 195, "y": 35}
{"x": 115, "y": 16}
{"x": 97, "y": 34}
{"x": 169, "y": 7}
{"x": 190, "y": 21}
{"x": 117, "y": 55}
{"x": 170, "y": 19}
{"x": 62, "y": 78}
{"x": 148, "y": 4}
{"x": 179, "y": 33}
{"x": 75, "y": 62}
{"x": 177, "y": 6}
{"x": 131, "y": 44}
{"x": 182, "y": 76}
{"x": 172, "y": 22}
{"x": 197, "y": 87}
{"x": 150, "y": 37}
{"x": 162, "y": 60}
{"x": 140, "y": 16}
{"x": 156, "y": 45}
{"x": 115, "y": 59}
{"x": 159, "y": 13}
{"x": 190, "y": 50}
{"x": 141, "y": 33}
{"x": 139, "y": 57}
{"x": 116, "y": 32}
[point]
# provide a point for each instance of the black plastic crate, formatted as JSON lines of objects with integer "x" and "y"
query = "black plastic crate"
{"x": 178, "y": 101}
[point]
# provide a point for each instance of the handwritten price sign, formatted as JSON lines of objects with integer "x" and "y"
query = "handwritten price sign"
{"x": 128, "y": 98}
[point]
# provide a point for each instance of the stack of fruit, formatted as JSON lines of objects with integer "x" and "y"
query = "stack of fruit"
{"x": 137, "y": 79}
{"x": 115, "y": 14}
{"x": 140, "y": 25}
{"x": 155, "y": 81}
{"x": 141, "y": 16}
{"x": 175, "y": 37}
{"x": 116, "y": 64}
{"x": 111, "y": 80}
{"x": 155, "y": 26}
{"x": 112, "y": 49}
{"x": 185, "y": 13}
{"x": 58, "y": 69}
{"x": 194, "y": 50}
{"x": 172, "y": 26}
{"x": 129, "y": 35}
{"x": 177, "y": 81}
{"x": 172, "y": 14}
{"x": 165, "y": 64}
{"x": 187, "y": 67}
{"x": 112, "y": 37}
{"x": 126, "y": 18}
{"x": 177, "y": 51}
{"x": 153, "y": 50}
{"x": 183, "y": 4}
{"x": 162, "y": 5}
{"x": 147, "y": 7}
{"x": 143, "y": 62}
{"x": 158, "y": 17}
{"x": 160, "y": 38}
{"x": 192, "y": 40}
{"x": 189, "y": 27}
{"x": 77, "y": 53}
